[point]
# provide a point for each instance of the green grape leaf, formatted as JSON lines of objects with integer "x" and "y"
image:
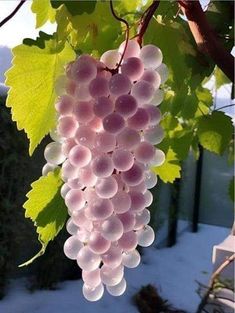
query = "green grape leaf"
{"x": 76, "y": 7}
{"x": 231, "y": 189}
{"x": 170, "y": 169}
{"x": 46, "y": 208}
{"x": 181, "y": 144}
{"x": 215, "y": 131}
{"x": 32, "y": 80}
{"x": 44, "y": 12}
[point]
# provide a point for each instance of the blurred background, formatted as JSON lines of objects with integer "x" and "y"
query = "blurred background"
{"x": 190, "y": 217}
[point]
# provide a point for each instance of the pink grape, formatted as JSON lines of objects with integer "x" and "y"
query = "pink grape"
{"x": 67, "y": 126}
{"x": 82, "y": 92}
{"x": 68, "y": 171}
{"x": 133, "y": 176}
{"x": 103, "y": 106}
{"x": 65, "y": 105}
{"x": 71, "y": 228}
{"x": 118, "y": 289}
{"x": 105, "y": 142}
{"x": 137, "y": 201}
{"x": 151, "y": 56}
{"x": 139, "y": 120}
{"x": 121, "y": 202}
{"x": 154, "y": 114}
{"x": 83, "y": 71}
{"x": 98, "y": 244}
{"x": 143, "y": 91}
{"x": 133, "y": 68}
{"x": 150, "y": 179}
{"x": 154, "y": 134}
{"x": 96, "y": 124}
{"x": 102, "y": 70}
{"x": 83, "y": 235}
{"x": 113, "y": 123}
{"x": 100, "y": 209}
{"x": 74, "y": 183}
{"x": 74, "y": 199}
{"x": 110, "y": 58}
{"x": 70, "y": 87}
{"x": 148, "y": 198}
{"x": 112, "y": 229}
{"x": 79, "y": 217}
{"x": 163, "y": 72}
{"x": 87, "y": 177}
{"x": 132, "y": 50}
{"x": 89, "y": 193}
{"x": 111, "y": 276}
{"x": 131, "y": 259}
{"x": 71, "y": 247}
{"x": 145, "y": 236}
{"x": 64, "y": 190}
{"x": 126, "y": 105}
{"x": 119, "y": 84}
{"x": 141, "y": 187}
{"x": 93, "y": 294}
{"x": 128, "y": 241}
{"x": 79, "y": 156}
{"x": 102, "y": 166}
{"x": 141, "y": 219}
{"x": 99, "y": 87}
{"x": 106, "y": 187}
{"x": 144, "y": 152}
{"x": 152, "y": 77}
{"x": 123, "y": 160}
{"x": 88, "y": 260}
{"x": 67, "y": 145}
{"x": 53, "y": 153}
{"x": 159, "y": 158}
{"x": 85, "y": 136}
{"x": 128, "y": 138}
{"x": 91, "y": 278}
{"x": 128, "y": 221}
{"x": 113, "y": 257}
{"x": 83, "y": 111}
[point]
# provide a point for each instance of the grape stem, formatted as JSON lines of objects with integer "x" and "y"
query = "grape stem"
{"x": 6, "y": 19}
{"x": 127, "y": 34}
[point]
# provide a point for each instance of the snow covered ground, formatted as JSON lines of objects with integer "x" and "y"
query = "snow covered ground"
{"x": 173, "y": 271}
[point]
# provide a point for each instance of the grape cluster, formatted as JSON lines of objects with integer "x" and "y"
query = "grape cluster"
{"x": 108, "y": 124}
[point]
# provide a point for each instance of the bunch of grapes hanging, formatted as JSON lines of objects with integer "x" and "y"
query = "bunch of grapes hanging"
{"x": 108, "y": 126}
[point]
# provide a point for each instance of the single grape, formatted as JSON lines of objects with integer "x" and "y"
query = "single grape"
{"x": 67, "y": 126}
{"x": 128, "y": 138}
{"x": 93, "y": 294}
{"x": 159, "y": 158}
{"x": 105, "y": 142}
{"x": 68, "y": 171}
{"x": 87, "y": 177}
{"x": 79, "y": 218}
{"x": 71, "y": 227}
{"x": 111, "y": 58}
{"x": 98, "y": 244}
{"x": 102, "y": 166}
{"x": 145, "y": 152}
{"x": 154, "y": 134}
{"x": 157, "y": 97}
{"x": 113, "y": 257}
{"x": 103, "y": 106}
{"x": 128, "y": 221}
{"x": 89, "y": 194}
{"x": 132, "y": 49}
{"x": 88, "y": 260}
{"x": 163, "y": 72}
{"x": 91, "y": 278}
{"x": 126, "y": 105}
{"x": 121, "y": 202}
{"x": 148, "y": 198}
{"x": 72, "y": 246}
{"x": 47, "y": 168}
{"x": 141, "y": 219}
{"x": 142, "y": 91}
{"x": 82, "y": 92}
{"x": 83, "y": 111}
{"x": 112, "y": 229}
{"x": 139, "y": 120}
{"x": 151, "y": 56}
{"x": 83, "y": 235}
{"x": 133, "y": 68}
{"x": 111, "y": 276}
{"x": 123, "y": 160}
{"x": 99, "y": 87}
{"x": 55, "y": 136}
{"x": 141, "y": 187}
{"x": 65, "y": 105}
{"x": 67, "y": 145}
{"x": 53, "y": 153}
{"x": 137, "y": 201}
{"x": 106, "y": 187}
{"x": 64, "y": 190}
{"x": 85, "y": 136}
{"x": 133, "y": 176}
{"x": 83, "y": 70}
{"x": 152, "y": 77}
{"x": 118, "y": 289}
{"x": 74, "y": 183}
{"x": 150, "y": 179}
{"x": 79, "y": 156}
{"x": 74, "y": 199}
{"x": 145, "y": 236}
{"x": 131, "y": 259}
{"x": 154, "y": 114}
{"x": 119, "y": 84}
{"x": 113, "y": 123}
{"x": 128, "y": 241}
{"x": 100, "y": 209}
{"x": 96, "y": 124}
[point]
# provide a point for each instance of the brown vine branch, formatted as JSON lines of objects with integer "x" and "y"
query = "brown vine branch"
{"x": 205, "y": 37}
{"x": 6, "y": 19}
{"x": 144, "y": 22}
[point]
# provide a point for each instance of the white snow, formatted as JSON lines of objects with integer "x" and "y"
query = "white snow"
{"x": 173, "y": 271}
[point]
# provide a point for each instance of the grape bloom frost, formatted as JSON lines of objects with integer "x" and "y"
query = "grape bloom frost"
{"x": 108, "y": 124}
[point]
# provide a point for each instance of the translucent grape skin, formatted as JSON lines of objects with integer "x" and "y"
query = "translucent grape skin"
{"x": 118, "y": 289}
{"x": 93, "y": 294}
{"x": 126, "y": 105}
{"x": 133, "y": 68}
{"x": 119, "y": 84}
{"x": 132, "y": 50}
{"x": 111, "y": 58}
{"x": 151, "y": 56}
